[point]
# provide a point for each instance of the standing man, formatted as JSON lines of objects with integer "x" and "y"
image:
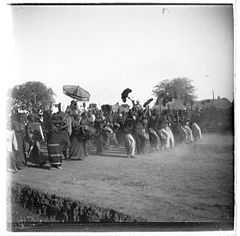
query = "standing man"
{"x": 11, "y": 146}
{"x": 130, "y": 143}
{"x": 58, "y": 141}
{"x": 34, "y": 135}
{"x": 152, "y": 130}
{"x": 19, "y": 129}
{"x": 99, "y": 123}
{"x": 138, "y": 133}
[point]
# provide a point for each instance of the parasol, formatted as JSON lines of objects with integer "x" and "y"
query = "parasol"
{"x": 148, "y": 102}
{"x": 125, "y": 93}
{"x": 76, "y": 92}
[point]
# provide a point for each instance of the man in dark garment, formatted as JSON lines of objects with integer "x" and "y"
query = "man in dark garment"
{"x": 58, "y": 141}
{"x": 99, "y": 138}
{"x": 130, "y": 142}
{"x": 152, "y": 130}
{"x": 34, "y": 135}
{"x": 138, "y": 133}
{"x": 63, "y": 132}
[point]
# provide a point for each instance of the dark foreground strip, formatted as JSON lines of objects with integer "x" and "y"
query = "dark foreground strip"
{"x": 122, "y": 227}
{"x": 66, "y": 215}
{"x": 59, "y": 209}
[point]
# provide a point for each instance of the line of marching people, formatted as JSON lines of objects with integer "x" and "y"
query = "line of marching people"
{"x": 161, "y": 128}
{"x": 68, "y": 134}
{"x": 168, "y": 127}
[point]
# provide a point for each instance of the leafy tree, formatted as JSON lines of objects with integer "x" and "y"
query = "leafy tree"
{"x": 177, "y": 88}
{"x": 31, "y": 97}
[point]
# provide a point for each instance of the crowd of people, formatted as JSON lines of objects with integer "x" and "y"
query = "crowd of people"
{"x": 68, "y": 134}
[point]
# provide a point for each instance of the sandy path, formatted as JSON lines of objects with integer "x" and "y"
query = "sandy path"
{"x": 189, "y": 183}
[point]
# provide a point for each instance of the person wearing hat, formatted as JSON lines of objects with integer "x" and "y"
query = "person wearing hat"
{"x": 74, "y": 106}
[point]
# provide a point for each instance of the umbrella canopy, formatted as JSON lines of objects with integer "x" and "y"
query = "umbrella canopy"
{"x": 124, "y": 94}
{"x": 76, "y": 92}
{"x": 148, "y": 102}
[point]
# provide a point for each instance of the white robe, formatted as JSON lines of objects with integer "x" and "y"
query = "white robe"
{"x": 11, "y": 141}
{"x": 197, "y": 133}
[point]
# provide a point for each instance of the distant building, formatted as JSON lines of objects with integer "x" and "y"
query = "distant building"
{"x": 216, "y": 114}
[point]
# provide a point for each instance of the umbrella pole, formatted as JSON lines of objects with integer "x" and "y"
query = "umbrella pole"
{"x": 130, "y": 99}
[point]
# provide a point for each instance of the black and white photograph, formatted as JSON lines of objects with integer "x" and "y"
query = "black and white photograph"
{"x": 120, "y": 118}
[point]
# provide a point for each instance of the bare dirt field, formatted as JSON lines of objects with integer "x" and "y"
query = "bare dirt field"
{"x": 193, "y": 182}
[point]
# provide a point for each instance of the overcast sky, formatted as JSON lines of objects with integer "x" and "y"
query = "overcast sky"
{"x": 106, "y": 49}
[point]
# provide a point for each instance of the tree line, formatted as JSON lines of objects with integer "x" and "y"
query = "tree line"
{"x": 35, "y": 96}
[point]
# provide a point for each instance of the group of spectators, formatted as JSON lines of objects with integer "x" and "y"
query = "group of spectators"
{"x": 68, "y": 134}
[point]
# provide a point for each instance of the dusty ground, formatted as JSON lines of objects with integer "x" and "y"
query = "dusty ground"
{"x": 192, "y": 182}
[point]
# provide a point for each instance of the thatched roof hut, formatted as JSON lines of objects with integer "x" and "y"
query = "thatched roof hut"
{"x": 216, "y": 114}
{"x": 219, "y": 103}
